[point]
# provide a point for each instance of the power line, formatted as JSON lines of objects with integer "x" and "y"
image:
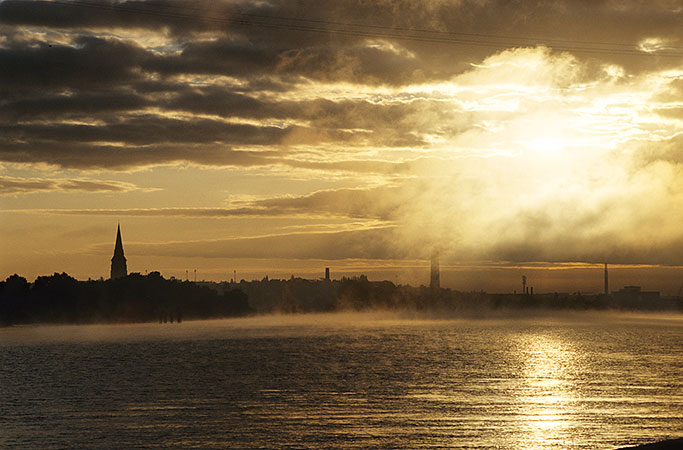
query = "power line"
{"x": 376, "y": 31}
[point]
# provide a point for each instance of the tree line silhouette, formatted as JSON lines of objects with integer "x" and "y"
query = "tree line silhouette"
{"x": 60, "y": 298}
{"x": 359, "y": 293}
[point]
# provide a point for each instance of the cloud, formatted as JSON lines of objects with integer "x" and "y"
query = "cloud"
{"x": 473, "y": 29}
{"x": 90, "y": 62}
{"x": 74, "y": 105}
{"x": 634, "y": 217}
{"x": 145, "y": 130}
{"x": 371, "y": 244}
{"x": 98, "y": 156}
{"x": 668, "y": 150}
{"x": 490, "y": 129}
{"x": 247, "y": 75}
{"x": 373, "y": 204}
{"x": 14, "y": 185}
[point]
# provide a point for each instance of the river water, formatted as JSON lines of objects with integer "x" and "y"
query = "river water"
{"x": 584, "y": 381}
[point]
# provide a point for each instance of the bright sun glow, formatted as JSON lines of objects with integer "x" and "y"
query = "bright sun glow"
{"x": 546, "y": 144}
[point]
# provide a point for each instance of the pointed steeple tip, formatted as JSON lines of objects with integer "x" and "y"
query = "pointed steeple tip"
{"x": 118, "y": 248}
{"x": 118, "y": 262}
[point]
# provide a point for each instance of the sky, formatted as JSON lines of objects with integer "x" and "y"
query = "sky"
{"x": 281, "y": 137}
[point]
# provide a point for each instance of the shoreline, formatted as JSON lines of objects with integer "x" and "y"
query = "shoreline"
{"x": 404, "y": 314}
{"x": 669, "y": 444}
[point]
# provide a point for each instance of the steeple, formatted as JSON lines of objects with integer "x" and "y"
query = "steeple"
{"x": 118, "y": 261}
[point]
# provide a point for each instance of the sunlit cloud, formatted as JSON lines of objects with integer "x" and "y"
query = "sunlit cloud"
{"x": 15, "y": 185}
{"x": 561, "y": 148}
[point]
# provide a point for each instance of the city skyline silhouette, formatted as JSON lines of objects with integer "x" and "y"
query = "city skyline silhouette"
{"x": 276, "y": 139}
{"x": 347, "y": 224}
{"x": 119, "y": 270}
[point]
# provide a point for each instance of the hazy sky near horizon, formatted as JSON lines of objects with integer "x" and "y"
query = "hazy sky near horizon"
{"x": 285, "y": 136}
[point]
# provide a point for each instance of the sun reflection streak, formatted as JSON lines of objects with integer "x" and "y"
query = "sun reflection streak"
{"x": 547, "y": 377}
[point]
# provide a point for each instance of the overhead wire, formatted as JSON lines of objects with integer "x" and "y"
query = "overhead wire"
{"x": 376, "y": 31}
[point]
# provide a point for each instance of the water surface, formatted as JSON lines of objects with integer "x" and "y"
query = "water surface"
{"x": 585, "y": 381}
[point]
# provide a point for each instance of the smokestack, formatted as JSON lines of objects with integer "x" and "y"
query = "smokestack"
{"x": 606, "y": 281}
{"x": 327, "y": 274}
{"x": 434, "y": 277}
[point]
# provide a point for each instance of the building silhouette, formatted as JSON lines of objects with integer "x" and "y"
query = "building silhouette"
{"x": 118, "y": 261}
{"x": 434, "y": 276}
{"x": 634, "y": 296}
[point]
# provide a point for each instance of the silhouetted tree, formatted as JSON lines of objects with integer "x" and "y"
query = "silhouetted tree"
{"x": 135, "y": 298}
{"x": 13, "y": 299}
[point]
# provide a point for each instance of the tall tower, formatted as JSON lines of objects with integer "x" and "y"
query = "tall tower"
{"x": 434, "y": 276}
{"x": 606, "y": 281}
{"x": 118, "y": 261}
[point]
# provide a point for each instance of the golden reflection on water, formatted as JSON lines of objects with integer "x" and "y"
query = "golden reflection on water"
{"x": 548, "y": 382}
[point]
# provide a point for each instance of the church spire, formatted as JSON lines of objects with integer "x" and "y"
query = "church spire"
{"x": 118, "y": 249}
{"x": 119, "y": 268}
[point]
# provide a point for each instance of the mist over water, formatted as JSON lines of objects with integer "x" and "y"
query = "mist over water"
{"x": 370, "y": 380}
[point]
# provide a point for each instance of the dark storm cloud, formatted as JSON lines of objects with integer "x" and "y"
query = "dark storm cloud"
{"x": 477, "y": 28}
{"x": 225, "y": 57}
{"x": 101, "y": 156}
{"x": 65, "y": 101}
{"x": 224, "y": 102}
{"x": 365, "y": 65}
{"x": 77, "y": 104}
{"x": 177, "y": 15}
{"x": 90, "y": 63}
{"x": 147, "y": 140}
{"x": 63, "y": 143}
{"x": 359, "y": 64}
{"x": 227, "y": 103}
{"x": 393, "y": 124}
{"x": 146, "y": 130}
